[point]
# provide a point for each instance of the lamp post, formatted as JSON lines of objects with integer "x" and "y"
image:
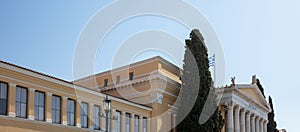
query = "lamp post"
{"x": 106, "y": 106}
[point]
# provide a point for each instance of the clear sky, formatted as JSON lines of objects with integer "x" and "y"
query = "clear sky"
{"x": 258, "y": 37}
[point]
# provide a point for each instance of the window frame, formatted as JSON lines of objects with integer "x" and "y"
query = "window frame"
{"x": 19, "y": 115}
{"x": 69, "y": 113}
{"x": 131, "y": 75}
{"x": 118, "y": 121}
{"x": 38, "y": 105}
{"x": 96, "y": 117}
{"x": 127, "y": 122}
{"x": 54, "y": 119}
{"x": 136, "y": 123}
{"x": 105, "y": 82}
{"x": 84, "y": 114}
{"x": 5, "y": 100}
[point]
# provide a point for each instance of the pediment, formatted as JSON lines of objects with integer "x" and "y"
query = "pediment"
{"x": 253, "y": 92}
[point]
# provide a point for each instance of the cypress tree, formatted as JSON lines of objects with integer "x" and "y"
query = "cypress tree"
{"x": 271, "y": 126}
{"x": 260, "y": 87}
{"x": 196, "y": 83}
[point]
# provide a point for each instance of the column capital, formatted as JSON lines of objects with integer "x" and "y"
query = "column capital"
{"x": 12, "y": 84}
{"x": 49, "y": 94}
{"x": 31, "y": 89}
{"x": 123, "y": 112}
{"x": 65, "y": 98}
{"x": 237, "y": 107}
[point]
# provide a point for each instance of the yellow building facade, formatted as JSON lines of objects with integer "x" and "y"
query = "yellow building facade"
{"x": 142, "y": 94}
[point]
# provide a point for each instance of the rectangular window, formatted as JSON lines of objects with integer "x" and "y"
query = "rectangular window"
{"x": 71, "y": 106}
{"x": 131, "y": 75}
{"x": 105, "y": 82}
{"x": 136, "y": 123}
{"x": 56, "y": 109}
{"x": 39, "y": 106}
{"x": 96, "y": 117}
{"x": 118, "y": 79}
{"x": 144, "y": 124}
{"x": 118, "y": 121}
{"x": 3, "y": 98}
{"x": 127, "y": 123}
{"x": 21, "y": 102}
{"x": 84, "y": 115}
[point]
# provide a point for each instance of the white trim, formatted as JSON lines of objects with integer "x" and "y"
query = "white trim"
{"x": 65, "y": 123}
{"x": 11, "y": 114}
{"x": 49, "y": 120}
{"x": 30, "y": 117}
{"x": 78, "y": 88}
{"x": 12, "y": 84}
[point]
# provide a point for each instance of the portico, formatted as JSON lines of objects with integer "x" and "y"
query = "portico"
{"x": 246, "y": 110}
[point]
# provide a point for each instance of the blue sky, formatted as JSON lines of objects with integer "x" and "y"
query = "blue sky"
{"x": 258, "y": 37}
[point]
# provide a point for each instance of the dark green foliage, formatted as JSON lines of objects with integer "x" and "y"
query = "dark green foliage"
{"x": 272, "y": 123}
{"x": 260, "y": 87}
{"x": 196, "y": 85}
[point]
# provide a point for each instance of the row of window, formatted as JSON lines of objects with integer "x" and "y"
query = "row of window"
{"x": 127, "y": 123}
{"x": 21, "y": 105}
{"x": 118, "y": 78}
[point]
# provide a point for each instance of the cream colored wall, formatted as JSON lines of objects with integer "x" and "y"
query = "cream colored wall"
{"x": 14, "y": 78}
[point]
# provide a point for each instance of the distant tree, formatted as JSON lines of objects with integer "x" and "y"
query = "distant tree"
{"x": 197, "y": 82}
{"x": 271, "y": 122}
{"x": 260, "y": 87}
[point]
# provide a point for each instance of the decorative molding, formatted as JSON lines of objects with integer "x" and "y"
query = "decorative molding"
{"x": 12, "y": 84}
{"x": 65, "y": 98}
{"x": 30, "y": 117}
{"x": 49, "y": 120}
{"x": 81, "y": 89}
{"x": 156, "y": 98}
{"x": 31, "y": 89}
{"x": 11, "y": 114}
{"x": 65, "y": 123}
{"x": 78, "y": 125}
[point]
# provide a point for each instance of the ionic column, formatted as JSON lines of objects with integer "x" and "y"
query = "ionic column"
{"x": 123, "y": 120}
{"x": 141, "y": 124}
{"x": 248, "y": 122}
{"x": 113, "y": 122}
{"x": 261, "y": 125}
{"x": 242, "y": 121}
{"x": 132, "y": 123}
{"x": 253, "y": 123}
{"x": 257, "y": 124}
{"x": 49, "y": 107}
{"x": 148, "y": 124}
{"x": 12, "y": 99}
{"x": 237, "y": 119}
{"x": 91, "y": 116}
{"x": 229, "y": 118}
{"x": 265, "y": 125}
{"x": 78, "y": 120}
{"x": 64, "y": 110}
{"x": 31, "y": 104}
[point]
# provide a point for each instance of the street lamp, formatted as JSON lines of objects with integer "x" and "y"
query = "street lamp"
{"x": 106, "y": 107}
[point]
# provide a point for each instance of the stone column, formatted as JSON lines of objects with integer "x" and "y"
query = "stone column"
{"x": 141, "y": 124}
{"x": 149, "y": 125}
{"x": 242, "y": 121}
{"x": 78, "y": 120}
{"x": 257, "y": 124}
{"x": 265, "y": 125}
{"x": 132, "y": 123}
{"x": 248, "y": 122}
{"x": 12, "y": 99}
{"x": 49, "y": 107}
{"x": 123, "y": 119}
{"x": 261, "y": 125}
{"x": 237, "y": 119}
{"x": 253, "y": 123}
{"x": 229, "y": 118}
{"x": 64, "y": 110}
{"x": 113, "y": 122}
{"x": 31, "y": 104}
{"x": 91, "y": 116}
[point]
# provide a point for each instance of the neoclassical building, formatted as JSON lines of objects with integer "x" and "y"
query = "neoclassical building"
{"x": 142, "y": 98}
